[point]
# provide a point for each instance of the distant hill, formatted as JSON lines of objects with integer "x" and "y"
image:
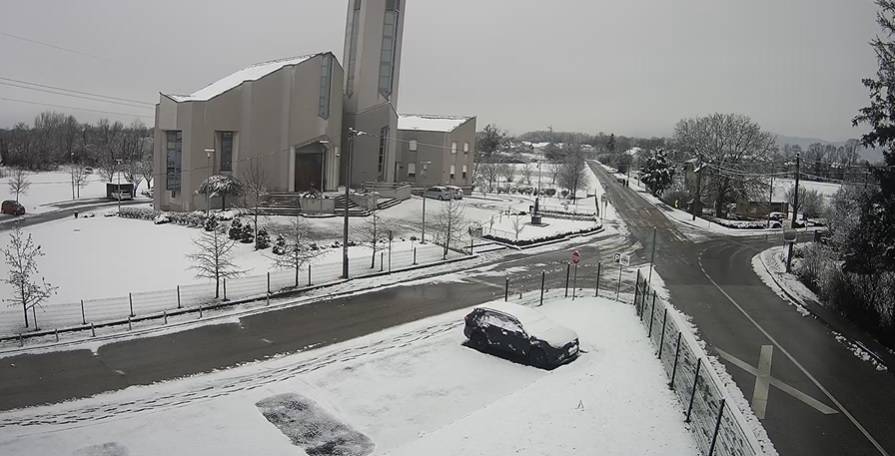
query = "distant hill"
{"x": 871, "y": 155}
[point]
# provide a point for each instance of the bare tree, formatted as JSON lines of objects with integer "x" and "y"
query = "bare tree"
{"x": 527, "y": 172}
{"x": 21, "y": 259}
{"x": 214, "y": 257}
{"x": 571, "y": 171}
{"x": 373, "y": 232}
{"x": 78, "y": 177}
{"x": 554, "y": 172}
{"x": 255, "y": 186}
{"x": 488, "y": 174}
{"x": 507, "y": 172}
{"x": 146, "y": 168}
{"x": 518, "y": 224}
{"x": 450, "y": 224}
{"x": 298, "y": 252}
{"x": 19, "y": 182}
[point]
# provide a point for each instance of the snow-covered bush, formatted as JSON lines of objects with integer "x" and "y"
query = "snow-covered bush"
{"x": 263, "y": 240}
{"x": 235, "y": 232}
{"x": 211, "y": 223}
{"x": 279, "y": 246}
{"x": 248, "y": 234}
{"x": 141, "y": 213}
{"x": 161, "y": 219}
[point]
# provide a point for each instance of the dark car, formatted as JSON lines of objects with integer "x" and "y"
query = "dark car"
{"x": 12, "y": 208}
{"x": 522, "y": 333}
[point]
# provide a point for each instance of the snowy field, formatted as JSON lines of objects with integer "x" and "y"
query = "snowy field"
{"x": 54, "y": 187}
{"x": 410, "y": 390}
{"x": 109, "y": 257}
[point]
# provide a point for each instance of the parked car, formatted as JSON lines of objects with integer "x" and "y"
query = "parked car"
{"x": 521, "y": 332}
{"x": 11, "y": 207}
{"x": 456, "y": 192}
{"x": 438, "y": 192}
{"x": 778, "y": 216}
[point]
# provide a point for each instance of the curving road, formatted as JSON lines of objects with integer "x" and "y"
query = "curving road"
{"x": 837, "y": 403}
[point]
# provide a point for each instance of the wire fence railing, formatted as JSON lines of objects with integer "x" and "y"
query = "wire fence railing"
{"x": 720, "y": 428}
{"x": 136, "y": 306}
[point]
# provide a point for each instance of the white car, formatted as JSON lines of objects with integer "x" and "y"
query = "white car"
{"x": 438, "y": 192}
{"x": 456, "y": 192}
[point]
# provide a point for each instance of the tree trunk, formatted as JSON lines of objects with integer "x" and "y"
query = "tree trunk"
{"x": 297, "y": 269}
{"x": 217, "y": 287}
{"x": 256, "y": 224}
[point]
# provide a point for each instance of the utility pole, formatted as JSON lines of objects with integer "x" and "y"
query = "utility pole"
{"x": 795, "y": 205}
{"x": 352, "y": 133}
{"x": 450, "y": 216}
{"x": 771, "y": 197}
{"x": 208, "y": 153}
{"x": 697, "y": 205}
{"x": 118, "y": 172}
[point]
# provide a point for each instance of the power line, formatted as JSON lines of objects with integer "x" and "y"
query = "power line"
{"x": 127, "y": 100}
{"x": 128, "y": 114}
{"x": 54, "y": 46}
{"x": 54, "y": 92}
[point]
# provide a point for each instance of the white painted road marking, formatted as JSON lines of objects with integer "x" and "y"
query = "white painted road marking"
{"x": 763, "y": 380}
{"x": 799, "y": 365}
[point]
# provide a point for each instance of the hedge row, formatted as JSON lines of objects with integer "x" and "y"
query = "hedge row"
{"x": 527, "y": 242}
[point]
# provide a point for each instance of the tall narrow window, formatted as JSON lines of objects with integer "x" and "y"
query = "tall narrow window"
{"x": 173, "y": 147}
{"x": 413, "y": 144}
{"x": 389, "y": 47}
{"x": 326, "y": 77}
{"x": 383, "y": 146}
{"x": 453, "y": 171}
{"x": 466, "y": 148}
{"x": 226, "y": 151}
{"x": 352, "y": 32}
{"x": 464, "y": 171}
{"x": 453, "y": 148}
{"x": 411, "y": 170}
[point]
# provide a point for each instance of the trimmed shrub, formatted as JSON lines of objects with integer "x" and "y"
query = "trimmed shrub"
{"x": 235, "y": 231}
{"x": 210, "y": 224}
{"x": 263, "y": 240}
{"x": 279, "y": 246}
{"x": 248, "y": 234}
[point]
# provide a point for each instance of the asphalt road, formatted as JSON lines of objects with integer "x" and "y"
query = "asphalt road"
{"x": 737, "y": 314}
{"x": 8, "y": 223}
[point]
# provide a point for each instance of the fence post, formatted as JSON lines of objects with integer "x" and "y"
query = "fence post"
{"x": 618, "y": 287}
{"x": 83, "y": 317}
{"x": 56, "y": 333}
{"x": 636, "y": 288}
{"x": 662, "y": 334}
{"x": 717, "y": 427}
{"x": 652, "y": 310}
{"x": 568, "y": 271}
{"x": 381, "y": 261}
{"x": 268, "y": 282}
{"x": 506, "y": 290}
{"x": 677, "y": 352}
{"x": 225, "y": 289}
{"x": 309, "y": 274}
{"x": 178, "y": 296}
{"x": 165, "y": 313}
{"x": 693, "y": 390}
{"x": 543, "y": 276}
{"x": 597, "y": 289}
{"x": 471, "y": 245}
{"x": 414, "y": 255}
{"x": 574, "y": 281}
{"x": 129, "y": 327}
{"x": 130, "y": 299}
{"x": 92, "y": 330}
{"x": 268, "y": 299}
{"x": 200, "y": 310}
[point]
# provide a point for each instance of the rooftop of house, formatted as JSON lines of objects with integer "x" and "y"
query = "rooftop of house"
{"x": 251, "y": 73}
{"x": 424, "y": 122}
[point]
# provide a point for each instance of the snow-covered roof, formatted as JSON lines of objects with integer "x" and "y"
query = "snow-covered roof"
{"x": 252, "y": 73}
{"x": 445, "y": 124}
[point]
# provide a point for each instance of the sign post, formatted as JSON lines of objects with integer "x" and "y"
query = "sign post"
{"x": 576, "y": 258}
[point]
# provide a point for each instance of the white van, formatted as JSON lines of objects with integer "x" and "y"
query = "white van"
{"x": 438, "y": 192}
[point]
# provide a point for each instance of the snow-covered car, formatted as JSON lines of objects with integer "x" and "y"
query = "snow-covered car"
{"x": 438, "y": 192}
{"x": 11, "y": 207}
{"x": 522, "y": 333}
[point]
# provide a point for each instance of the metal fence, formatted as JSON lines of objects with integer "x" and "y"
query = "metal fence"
{"x": 82, "y": 314}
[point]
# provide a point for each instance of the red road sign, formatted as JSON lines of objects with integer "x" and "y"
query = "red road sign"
{"x": 576, "y": 257}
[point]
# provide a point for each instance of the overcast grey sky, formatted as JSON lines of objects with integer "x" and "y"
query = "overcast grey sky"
{"x": 631, "y": 67}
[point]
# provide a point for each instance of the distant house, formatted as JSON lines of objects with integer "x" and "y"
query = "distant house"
{"x": 760, "y": 209}
{"x": 435, "y": 150}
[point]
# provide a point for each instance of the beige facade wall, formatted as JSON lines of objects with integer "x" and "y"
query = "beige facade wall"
{"x": 433, "y": 158}
{"x": 271, "y": 118}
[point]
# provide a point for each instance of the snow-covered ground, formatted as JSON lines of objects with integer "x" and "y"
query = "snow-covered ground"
{"x": 108, "y": 257}
{"x": 54, "y": 187}
{"x": 411, "y": 390}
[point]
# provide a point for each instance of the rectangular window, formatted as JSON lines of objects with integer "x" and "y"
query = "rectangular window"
{"x": 466, "y": 148}
{"x": 326, "y": 77}
{"x": 453, "y": 148}
{"x": 464, "y": 171}
{"x": 413, "y": 144}
{"x": 425, "y": 168}
{"x": 226, "y": 154}
{"x": 411, "y": 170}
{"x": 173, "y": 148}
{"x": 352, "y": 31}
{"x": 389, "y": 49}
{"x": 383, "y": 147}
{"x": 453, "y": 170}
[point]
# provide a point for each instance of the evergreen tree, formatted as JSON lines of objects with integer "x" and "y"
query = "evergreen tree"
{"x": 235, "y": 232}
{"x": 875, "y": 248}
{"x": 657, "y": 173}
{"x": 262, "y": 240}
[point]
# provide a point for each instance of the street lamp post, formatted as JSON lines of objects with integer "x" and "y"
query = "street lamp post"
{"x": 208, "y": 153}
{"x": 119, "y": 185}
{"x": 423, "y": 240}
{"x": 352, "y": 133}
